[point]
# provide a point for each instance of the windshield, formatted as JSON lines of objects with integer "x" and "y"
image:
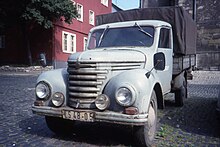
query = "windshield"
{"x": 118, "y": 37}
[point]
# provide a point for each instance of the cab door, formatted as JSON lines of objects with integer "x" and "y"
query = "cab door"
{"x": 165, "y": 46}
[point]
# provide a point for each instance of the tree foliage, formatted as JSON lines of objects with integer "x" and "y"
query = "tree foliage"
{"x": 30, "y": 13}
{"x": 42, "y": 12}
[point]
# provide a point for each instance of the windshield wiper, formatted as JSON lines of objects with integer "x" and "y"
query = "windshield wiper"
{"x": 142, "y": 30}
{"x": 102, "y": 35}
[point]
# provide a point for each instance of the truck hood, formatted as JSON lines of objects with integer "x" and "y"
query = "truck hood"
{"x": 114, "y": 55}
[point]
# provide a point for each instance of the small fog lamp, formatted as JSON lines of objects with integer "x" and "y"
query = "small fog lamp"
{"x": 58, "y": 99}
{"x": 102, "y": 102}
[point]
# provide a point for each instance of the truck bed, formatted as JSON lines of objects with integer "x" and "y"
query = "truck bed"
{"x": 182, "y": 63}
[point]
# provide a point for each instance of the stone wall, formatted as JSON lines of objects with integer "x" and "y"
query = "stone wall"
{"x": 208, "y": 23}
{"x": 208, "y": 34}
{"x": 208, "y": 28}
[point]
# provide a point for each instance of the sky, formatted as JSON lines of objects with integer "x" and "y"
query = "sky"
{"x": 126, "y": 4}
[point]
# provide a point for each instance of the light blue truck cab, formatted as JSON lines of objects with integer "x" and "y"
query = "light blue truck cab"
{"x": 120, "y": 78}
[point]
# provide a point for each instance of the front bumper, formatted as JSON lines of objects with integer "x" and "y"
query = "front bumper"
{"x": 100, "y": 116}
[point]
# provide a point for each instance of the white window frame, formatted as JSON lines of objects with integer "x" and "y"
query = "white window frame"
{"x": 68, "y": 42}
{"x": 74, "y": 3}
{"x": 91, "y": 17}
{"x": 2, "y": 41}
{"x": 85, "y": 41}
{"x": 104, "y": 2}
{"x": 80, "y": 11}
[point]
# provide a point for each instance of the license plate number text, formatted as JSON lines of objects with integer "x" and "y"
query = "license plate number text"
{"x": 78, "y": 115}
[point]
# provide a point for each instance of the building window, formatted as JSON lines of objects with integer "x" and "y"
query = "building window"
{"x": 80, "y": 12}
{"x": 104, "y": 2}
{"x": 91, "y": 17}
{"x": 72, "y": 43}
{"x": 2, "y": 41}
{"x": 85, "y": 42}
{"x": 68, "y": 42}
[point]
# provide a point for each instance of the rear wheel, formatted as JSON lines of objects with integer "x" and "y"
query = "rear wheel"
{"x": 59, "y": 125}
{"x": 181, "y": 94}
{"x": 144, "y": 135}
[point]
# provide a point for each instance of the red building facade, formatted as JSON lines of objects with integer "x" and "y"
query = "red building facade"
{"x": 72, "y": 38}
{"x": 57, "y": 43}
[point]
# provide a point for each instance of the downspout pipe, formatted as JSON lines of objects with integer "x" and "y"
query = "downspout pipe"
{"x": 194, "y": 10}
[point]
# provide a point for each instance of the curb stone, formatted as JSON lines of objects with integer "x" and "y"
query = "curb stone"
{"x": 7, "y": 68}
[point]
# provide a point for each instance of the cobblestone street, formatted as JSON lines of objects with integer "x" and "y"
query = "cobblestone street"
{"x": 195, "y": 124}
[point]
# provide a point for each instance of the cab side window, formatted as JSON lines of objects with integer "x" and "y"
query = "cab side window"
{"x": 165, "y": 41}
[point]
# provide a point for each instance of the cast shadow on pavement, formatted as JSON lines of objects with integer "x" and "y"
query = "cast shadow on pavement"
{"x": 198, "y": 116}
{"x": 100, "y": 134}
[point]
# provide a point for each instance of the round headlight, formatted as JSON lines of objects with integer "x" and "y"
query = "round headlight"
{"x": 102, "y": 102}
{"x": 125, "y": 96}
{"x": 58, "y": 99}
{"x": 42, "y": 90}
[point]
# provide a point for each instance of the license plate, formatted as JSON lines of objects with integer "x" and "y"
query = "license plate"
{"x": 78, "y": 115}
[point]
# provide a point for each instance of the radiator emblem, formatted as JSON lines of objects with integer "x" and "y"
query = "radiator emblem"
{"x": 77, "y": 66}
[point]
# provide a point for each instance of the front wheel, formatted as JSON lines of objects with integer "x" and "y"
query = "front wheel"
{"x": 144, "y": 135}
{"x": 59, "y": 125}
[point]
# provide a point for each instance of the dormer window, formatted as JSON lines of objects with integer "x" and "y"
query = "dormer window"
{"x": 91, "y": 17}
{"x": 80, "y": 12}
{"x": 104, "y": 2}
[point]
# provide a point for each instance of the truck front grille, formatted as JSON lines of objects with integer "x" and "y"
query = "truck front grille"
{"x": 86, "y": 80}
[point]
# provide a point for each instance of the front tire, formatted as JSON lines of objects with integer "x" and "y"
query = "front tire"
{"x": 59, "y": 125}
{"x": 144, "y": 135}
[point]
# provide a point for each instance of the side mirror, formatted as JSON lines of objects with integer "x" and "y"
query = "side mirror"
{"x": 159, "y": 61}
{"x": 43, "y": 60}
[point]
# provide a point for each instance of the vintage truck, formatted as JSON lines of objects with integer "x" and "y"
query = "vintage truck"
{"x": 133, "y": 58}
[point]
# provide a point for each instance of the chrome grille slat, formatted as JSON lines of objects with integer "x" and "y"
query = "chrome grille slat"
{"x": 124, "y": 68}
{"x": 88, "y": 71}
{"x": 85, "y": 83}
{"x": 87, "y": 78}
{"x": 82, "y": 77}
{"x": 83, "y": 95}
{"x": 84, "y": 89}
{"x": 85, "y": 101}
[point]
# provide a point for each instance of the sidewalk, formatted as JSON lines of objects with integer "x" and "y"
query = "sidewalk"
{"x": 23, "y": 69}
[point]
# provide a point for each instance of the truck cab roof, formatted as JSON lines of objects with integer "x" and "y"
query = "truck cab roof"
{"x": 154, "y": 23}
